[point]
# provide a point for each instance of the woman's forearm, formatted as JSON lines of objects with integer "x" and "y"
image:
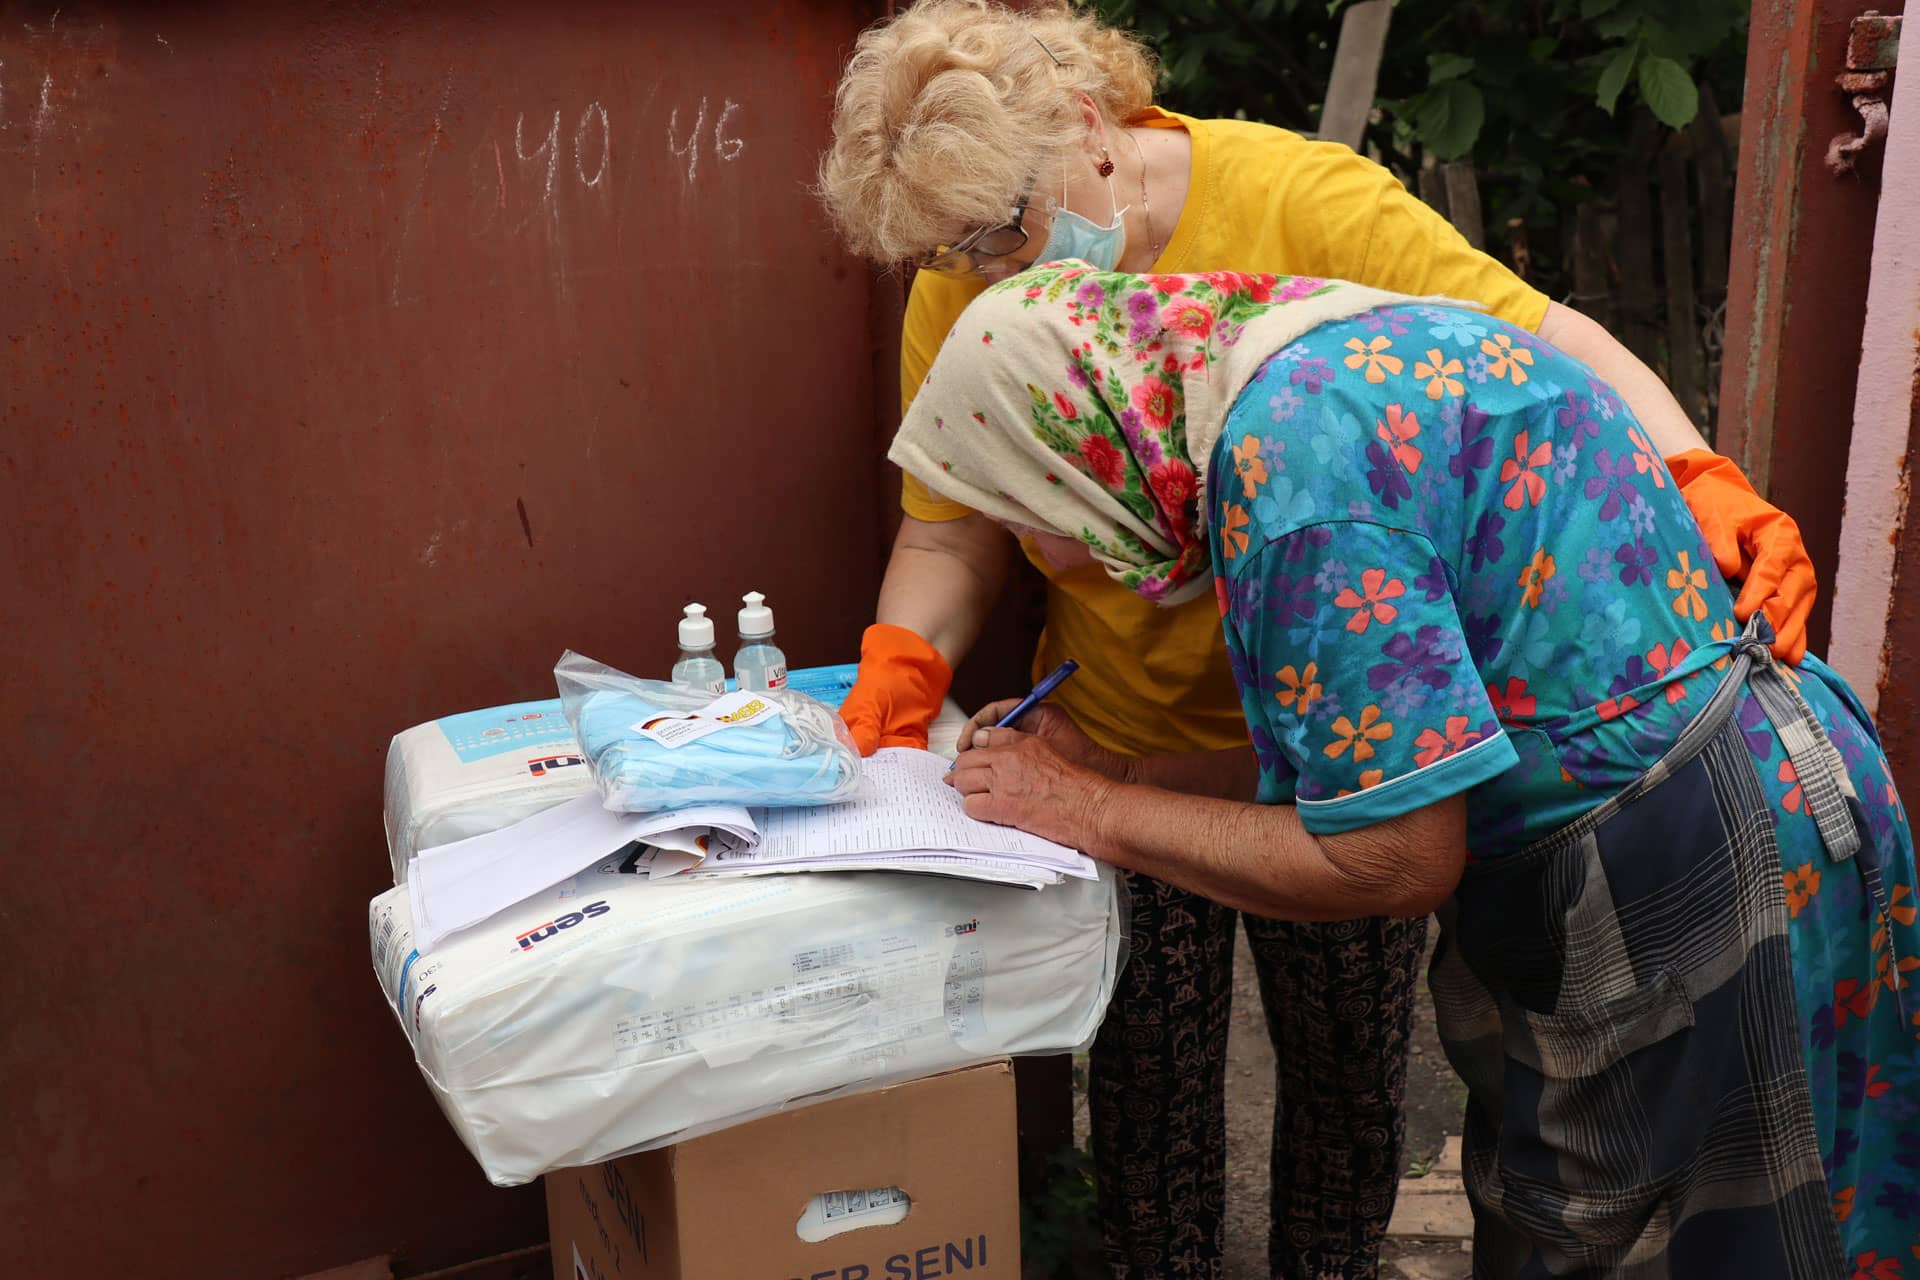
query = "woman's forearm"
{"x": 1668, "y": 427}
{"x": 1259, "y": 858}
{"x": 1232, "y": 774}
{"x": 943, "y": 579}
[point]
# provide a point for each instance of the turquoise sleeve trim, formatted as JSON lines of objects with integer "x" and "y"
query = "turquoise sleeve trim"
{"x": 1486, "y": 759}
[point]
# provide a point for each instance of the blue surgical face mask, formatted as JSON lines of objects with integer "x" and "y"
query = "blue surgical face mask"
{"x": 1072, "y": 236}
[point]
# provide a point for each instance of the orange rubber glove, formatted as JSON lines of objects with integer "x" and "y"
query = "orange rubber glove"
{"x": 898, "y": 692}
{"x": 1756, "y": 545}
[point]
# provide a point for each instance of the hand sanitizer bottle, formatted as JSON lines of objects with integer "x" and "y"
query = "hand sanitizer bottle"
{"x": 759, "y": 664}
{"x": 698, "y": 668}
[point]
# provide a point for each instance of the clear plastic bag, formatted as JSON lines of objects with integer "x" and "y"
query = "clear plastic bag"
{"x": 650, "y": 747}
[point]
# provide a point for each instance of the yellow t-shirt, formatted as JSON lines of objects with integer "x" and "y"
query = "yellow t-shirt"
{"x": 1156, "y": 679}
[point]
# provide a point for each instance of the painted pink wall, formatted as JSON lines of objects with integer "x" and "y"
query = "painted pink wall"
{"x": 1884, "y": 403}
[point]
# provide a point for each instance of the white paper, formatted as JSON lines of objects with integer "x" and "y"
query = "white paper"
{"x": 904, "y": 803}
{"x": 460, "y": 884}
{"x": 905, "y": 819}
{"x": 656, "y": 862}
{"x": 964, "y": 866}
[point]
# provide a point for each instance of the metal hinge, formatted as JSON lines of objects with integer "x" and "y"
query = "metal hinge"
{"x": 1873, "y": 49}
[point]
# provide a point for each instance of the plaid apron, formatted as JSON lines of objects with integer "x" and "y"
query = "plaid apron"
{"x": 1619, "y": 999}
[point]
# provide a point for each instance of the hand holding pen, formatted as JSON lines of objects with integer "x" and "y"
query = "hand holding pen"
{"x": 1053, "y": 680}
{"x": 1034, "y": 768}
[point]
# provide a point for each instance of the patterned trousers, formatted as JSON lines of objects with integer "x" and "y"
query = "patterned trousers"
{"x": 1339, "y": 1004}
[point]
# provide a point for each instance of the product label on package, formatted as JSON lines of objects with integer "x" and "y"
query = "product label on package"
{"x": 733, "y": 711}
{"x": 834, "y": 1213}
{"x": 835, "y": 1205}
{"x": 524, "y": 726}
{"x": 868, "y": 998}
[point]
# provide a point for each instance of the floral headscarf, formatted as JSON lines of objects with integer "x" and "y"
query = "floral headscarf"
{"x": 1085, "y": 403}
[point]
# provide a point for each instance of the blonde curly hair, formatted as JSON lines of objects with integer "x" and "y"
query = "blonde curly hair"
{"x": 947, "y": 110}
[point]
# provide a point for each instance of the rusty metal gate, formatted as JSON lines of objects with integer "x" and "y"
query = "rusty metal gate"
{"x": 354, "y": 361}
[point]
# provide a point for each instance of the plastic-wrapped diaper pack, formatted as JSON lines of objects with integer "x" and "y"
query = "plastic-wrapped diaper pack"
{"x": 653, "y": 745}
{"x": 468, "y": 774}
{"x": 611, "y": 1013}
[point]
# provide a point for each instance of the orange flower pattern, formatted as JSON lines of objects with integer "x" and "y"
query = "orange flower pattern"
{"x": 1690, "y": 581}
{"x": 1534, "y": 577}
{"x": 1441, "y": 374}
{"x": 1360, "y": 737}
{"x": 1373, "y": 602}
{"x": 1373, "y": 358}
{"x": 1299, "y": 690}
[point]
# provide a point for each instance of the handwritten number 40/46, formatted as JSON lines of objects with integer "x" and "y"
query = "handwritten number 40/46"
{"x": 593, "y": 141}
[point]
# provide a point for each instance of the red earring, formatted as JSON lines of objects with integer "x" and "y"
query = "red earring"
{"x": 1105, "y": 167}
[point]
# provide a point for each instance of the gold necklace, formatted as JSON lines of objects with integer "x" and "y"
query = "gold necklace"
{"x": 1146, "y": 206}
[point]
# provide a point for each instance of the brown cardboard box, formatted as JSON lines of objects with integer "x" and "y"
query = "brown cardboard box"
{"x": 726, "y": 1206}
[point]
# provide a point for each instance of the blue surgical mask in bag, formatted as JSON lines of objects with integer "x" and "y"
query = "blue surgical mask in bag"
{"x": 1072, "y": 236}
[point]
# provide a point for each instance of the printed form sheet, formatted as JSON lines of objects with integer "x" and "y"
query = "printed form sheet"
{"x": 904, "y": 804}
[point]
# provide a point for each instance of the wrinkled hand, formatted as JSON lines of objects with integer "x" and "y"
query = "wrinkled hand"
{"x": 1052, "y": 724}
{"x": 1021, "y": 780}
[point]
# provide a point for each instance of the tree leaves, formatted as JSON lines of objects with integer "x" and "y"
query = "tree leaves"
{"x": 1670, "y": 92}
{"x": 1449, "y": 118}
{"x": 1614, "y": 78}
{"x": 1537, "y": 94}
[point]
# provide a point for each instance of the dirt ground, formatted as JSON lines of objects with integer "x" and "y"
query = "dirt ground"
{"x": 1435, "y": 1101}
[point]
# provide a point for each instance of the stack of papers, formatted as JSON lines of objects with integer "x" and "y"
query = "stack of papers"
{"x": 905, "y": 819}
{"x": 458, "y": 885}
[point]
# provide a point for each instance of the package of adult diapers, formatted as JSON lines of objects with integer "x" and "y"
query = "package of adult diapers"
{"x": 612, "y": 1014}
{"x": 653, "y": 745}
{"x": 468, "y": 774}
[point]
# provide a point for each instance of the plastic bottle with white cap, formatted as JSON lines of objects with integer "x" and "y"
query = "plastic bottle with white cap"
{"x": 759, "y": 664}
{"x": 698, "y": 668}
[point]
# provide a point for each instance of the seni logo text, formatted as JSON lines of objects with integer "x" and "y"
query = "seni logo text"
{"x": 540, "y": 933}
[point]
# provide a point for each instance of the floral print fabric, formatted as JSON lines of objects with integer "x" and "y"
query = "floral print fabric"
{"x": 1450, "y": 560}
{"x": 1080, "y": 402}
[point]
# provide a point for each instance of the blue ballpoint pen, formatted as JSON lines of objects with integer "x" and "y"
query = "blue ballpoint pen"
{"x": 1054, "y": 679}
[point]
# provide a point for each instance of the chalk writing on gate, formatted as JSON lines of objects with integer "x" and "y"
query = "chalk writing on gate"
{"x": 724, "y": 147}
{"x": 697, "y": 132}
{"x": 593, "y": 112}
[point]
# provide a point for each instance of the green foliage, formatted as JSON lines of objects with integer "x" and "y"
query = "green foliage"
{"x": 1060, "y": 1227}
{"x": 1540, "y": 95}
{"x": 1060, "y": 1220}
{"x": 1669, "y": 90}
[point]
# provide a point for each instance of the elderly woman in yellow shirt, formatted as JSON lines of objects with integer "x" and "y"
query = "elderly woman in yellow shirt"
{"x": 976, "y": 141}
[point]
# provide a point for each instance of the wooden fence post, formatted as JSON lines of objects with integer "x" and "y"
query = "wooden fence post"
{"x": 1356, "y": 72}
{"x": 1433, "y": 188}
{"x": 1712, "y": 160}
{"x": 1592, "y": 291}
{"x": 1463, "y": 203}
{"x": 1683, "y": 321}
{"x": 1633, "y": 248}
{"x": 1709, "y": 135}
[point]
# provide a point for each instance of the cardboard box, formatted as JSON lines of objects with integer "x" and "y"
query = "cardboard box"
{"x": 728, "y": 1205}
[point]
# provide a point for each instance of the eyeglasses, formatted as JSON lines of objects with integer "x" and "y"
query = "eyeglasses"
{"x": 973, "y": 251}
